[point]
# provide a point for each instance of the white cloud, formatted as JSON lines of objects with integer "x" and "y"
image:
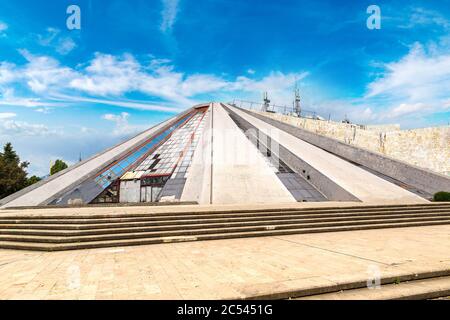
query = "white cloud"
{"x": 418, "y": 75}
{"x": 122, "y": 126}
{"x": 405, "y": 109}
{"x": 107, "y": 74}
{"x": 169, "y": 14}
{"x": 8, "y": 98}
{"x": 116, "y": 75}
{"x": 7, "y": 73}
{"x": 43, "y": 110}
{"x": 52, "y": 38}
{"x": 417, "y": 84}
{"x": 132, "y": 104}
{"x": 43, "y": 72}
{"x": 118, "y": 119}
{"x": 3, "y": 27}
{"x": 65, "y": 46}
{"x": 107, "y": 79}
{"x": 7, "y": 115}
{"x": 251, "y": 71}
{"x": 22, "y": 128}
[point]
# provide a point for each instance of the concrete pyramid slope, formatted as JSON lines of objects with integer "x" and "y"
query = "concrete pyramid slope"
{"x": 156, "y": 166}
{"x": 362, "y": 184}
{"x": 213, "y": 153}
{"x": 239, "y": 172}
{"x": 44, "y": 191}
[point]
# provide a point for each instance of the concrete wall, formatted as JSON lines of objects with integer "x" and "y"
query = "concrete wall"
{"x": 428, "y": 148}
{"x": 130, "y": 191}
{"x": 422, "y": 179}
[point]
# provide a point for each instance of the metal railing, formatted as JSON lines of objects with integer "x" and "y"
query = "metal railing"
{"x": 258, "y": 106}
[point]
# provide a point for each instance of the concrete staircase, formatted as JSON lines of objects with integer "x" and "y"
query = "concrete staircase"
{"x": 64, "y": 232}
{"x": 431, "y": 284}
{"x": 431, "y": 288}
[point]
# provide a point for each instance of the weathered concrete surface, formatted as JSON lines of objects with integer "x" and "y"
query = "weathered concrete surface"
{"x": 182, "y": 208}
{"x": 198, "y": 184}
{"x": 240, "y": 174}
{"x": 320, "y": 181}
{"x": 365, "y": 186}
{"x": 413, "y": 290}
{"x": 427, "y": 148}
{"x": 384, "y": 162}
{"x": 223, "y": 269}
{"x": 36, "y": 195}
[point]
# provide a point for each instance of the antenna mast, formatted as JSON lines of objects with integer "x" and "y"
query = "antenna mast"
{"x": 297, "y": 107}
{"x": 266, "y": 103}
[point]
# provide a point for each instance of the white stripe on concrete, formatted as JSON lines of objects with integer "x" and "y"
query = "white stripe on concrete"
{"x": 362, "y": 184}
{"x": 240, "y": 173}
{"x": 198, "y": 182}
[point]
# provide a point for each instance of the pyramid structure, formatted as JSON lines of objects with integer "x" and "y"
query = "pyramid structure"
{"x": 216, "y": 153}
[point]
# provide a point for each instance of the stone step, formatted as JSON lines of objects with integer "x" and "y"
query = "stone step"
{"x": 196, "y": 217}
{"x": 196, "y": 233}
{"x": 221, "y": 213}
{"x": 199, "y": 225}
{"x": 435, "y": 281}
{"x": 199, "y": 220}
{"x": 22, "y": 245}
{"x": 411, "y": 290}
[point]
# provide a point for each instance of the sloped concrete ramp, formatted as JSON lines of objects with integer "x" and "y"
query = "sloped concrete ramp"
{"x": 364, "y": 185}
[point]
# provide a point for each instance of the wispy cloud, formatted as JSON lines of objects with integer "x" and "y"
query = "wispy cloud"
{"x": 422, "y": 76}
{"x": 53, "y": 38}
{"x": 424, "y": 17}
{"x": 405, "y": 91}
{"x": 169, "y": 14}
{"x": 7, "y": 115}
{"x": 131, "y": 104}
{"x": 108, "y": 79}
{"x": 8, "y": 98}
{"x": 9, "y": 127}
{"x": 122, "y": 126}
{"x": 3, "y": 27}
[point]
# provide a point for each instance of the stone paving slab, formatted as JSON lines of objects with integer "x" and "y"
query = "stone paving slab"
{"x": 223, "y": 269}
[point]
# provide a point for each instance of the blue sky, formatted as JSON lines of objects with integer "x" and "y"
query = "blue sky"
{"x": 134, "y": 63}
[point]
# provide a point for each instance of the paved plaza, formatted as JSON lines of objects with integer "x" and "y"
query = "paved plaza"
{"x": 223, "y": 269}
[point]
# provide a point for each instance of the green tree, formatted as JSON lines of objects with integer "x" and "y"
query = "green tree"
{"x": 58, "y": 166}
{"x": 33, "y": 180}
{"x": 442, "y": 197}
{"x": 13, "y": 175}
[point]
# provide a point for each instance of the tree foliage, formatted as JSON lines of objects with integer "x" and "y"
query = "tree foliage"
{"x": 58, "y": 166}
{"x": 32, "y": 180}
{"x": 13, "y": 175}
{"x": 442, "y": 197}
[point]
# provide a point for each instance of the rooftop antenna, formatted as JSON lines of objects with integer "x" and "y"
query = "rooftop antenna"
{"x": 297, "y": 107}
{"x": 266, "y": 103}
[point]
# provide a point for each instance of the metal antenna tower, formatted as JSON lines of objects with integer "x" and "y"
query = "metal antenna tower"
{"x": 265, "y": 106}
{"x": 297, "y": 107}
